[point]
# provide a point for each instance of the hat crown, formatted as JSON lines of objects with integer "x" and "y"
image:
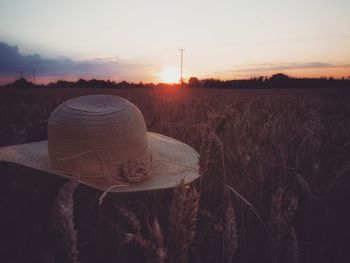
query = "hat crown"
{"x": 98, "y": 104}
{"x": 93, "y": 135}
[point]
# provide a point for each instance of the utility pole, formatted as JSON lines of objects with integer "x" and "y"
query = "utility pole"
{"x": 181, "y": 77}
{"x": 34, "y": 76}
{"x": 21, "y": 73}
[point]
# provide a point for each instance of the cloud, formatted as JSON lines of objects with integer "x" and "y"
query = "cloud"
{"x": 287, "y": 66}
{"x": 12, "y": 61}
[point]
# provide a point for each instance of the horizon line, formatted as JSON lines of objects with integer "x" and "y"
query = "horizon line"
{"x": 260, "y": 77}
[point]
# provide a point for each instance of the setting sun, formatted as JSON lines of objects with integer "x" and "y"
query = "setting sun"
{"x": 169, "y": 75}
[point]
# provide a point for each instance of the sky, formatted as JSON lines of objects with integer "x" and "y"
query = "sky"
{"x": 140, "y": 40}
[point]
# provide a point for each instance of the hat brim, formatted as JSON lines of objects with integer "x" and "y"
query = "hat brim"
{"x": 173, "y": 161}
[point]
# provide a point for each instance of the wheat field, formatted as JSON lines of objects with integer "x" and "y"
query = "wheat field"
{"x": 274, "y": 185}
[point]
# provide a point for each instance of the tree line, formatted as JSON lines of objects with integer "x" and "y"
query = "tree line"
{"x": 278, "y": 80}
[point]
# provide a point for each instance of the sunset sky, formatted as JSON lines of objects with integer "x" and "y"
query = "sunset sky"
{"x": 139, "y": 40}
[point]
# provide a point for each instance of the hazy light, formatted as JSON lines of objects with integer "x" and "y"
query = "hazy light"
{"x": 170, "y": 75}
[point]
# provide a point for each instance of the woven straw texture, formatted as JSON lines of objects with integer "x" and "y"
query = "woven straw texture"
{"x": 102, "y": 141}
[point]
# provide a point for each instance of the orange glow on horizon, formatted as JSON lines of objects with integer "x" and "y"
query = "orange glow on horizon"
{"x": 171, "y": 75}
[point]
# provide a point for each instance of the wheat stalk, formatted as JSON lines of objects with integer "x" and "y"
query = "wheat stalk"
{"x": 230, "y": 237}
{"x": 292, "y": 253}
{"x": 157, "y": 252}
{"x": 280, "y": 223}
{"x": 182, "y": 222}
{"x": 63, "y": 220}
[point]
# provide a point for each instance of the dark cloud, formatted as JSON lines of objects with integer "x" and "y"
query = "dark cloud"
{"x": 12, "y": 61}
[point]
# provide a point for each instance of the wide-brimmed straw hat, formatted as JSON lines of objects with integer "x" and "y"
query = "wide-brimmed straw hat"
{"x": 102, "y": 141}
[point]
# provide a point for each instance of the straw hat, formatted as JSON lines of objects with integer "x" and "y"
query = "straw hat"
{"x": 102, "y": 141}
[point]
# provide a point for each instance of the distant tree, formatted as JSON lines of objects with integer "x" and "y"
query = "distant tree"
{"x": 22, "y": 83}
{"x": 123, "y": 85}
{"x": 212, "y": 84}
{"x": 279, "y": 77}
{"x": 280, "y": 80}
{"x": 64, "y": 84}
{"x": 194, "y": 82}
